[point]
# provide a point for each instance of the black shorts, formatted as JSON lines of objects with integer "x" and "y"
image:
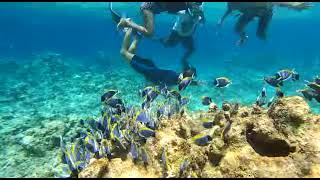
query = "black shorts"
{"x": 153, "y": 73}
{"x": 174, "y": 38}
{"x": 159, "y": 7}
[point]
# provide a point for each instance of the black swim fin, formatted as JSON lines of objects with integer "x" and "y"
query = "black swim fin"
{"x": 115, "y": 16}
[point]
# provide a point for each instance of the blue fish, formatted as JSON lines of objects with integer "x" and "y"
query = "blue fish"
{"x": 131, "y": 112}
{"x": 273, "y": 81}
{"x": 221, "y": 82}
{"x": 143, "y": 117}
{"x": 314, "y": 86}
{"x": 146, "y": 132}
{"x": 175, "y": 94}
{"x": 284, "y": 75}
{"x": 107, "y": 149}
{"x": 87, "y": 156}
{"x": 309, "y": 94}
{"x": 98, "y": 135}
{"x": 202, "y": 140}
{"x": 106, "y": 133}
{"x": 160, "y": 112}
{"x": 146, "y": 91}
{"x": 106, "y": 122}
{"x": 146, "y": 104}
{"x": 134, "y": 151}
{"x": 184, "y": 101}
{"x": 114, "y": 119}
{"x": 115, "y": 132}
{"x": 107, "y": 95}
{"x": 119, "y": 143}
{"x": 206, "y": 100}
{"x": 92, "y": 123}
{"x": 164, "y": 90}
{"x": 100, "y": 154}
{"x": 184, "y": 83}
{"x": 91, "y": 144}
{"x": 144, "y": 156}
{"x": 114, "y": 102}
{"x": 183, "y": 167}
{"x": 207, "y": 124}
{"x": 191, "y": 73}
{"x": 73, "y": 158}
{"x": 151, "y": 124}
{"x": 152, "y": 95}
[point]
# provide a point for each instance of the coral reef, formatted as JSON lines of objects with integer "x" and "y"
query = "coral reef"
{"x": 44, "y": 97}
{"x": 277, "y": 142}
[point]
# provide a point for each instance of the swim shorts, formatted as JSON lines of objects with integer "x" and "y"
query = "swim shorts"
{"x": 153, "y": 73}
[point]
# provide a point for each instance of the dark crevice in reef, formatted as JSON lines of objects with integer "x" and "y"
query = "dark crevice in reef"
{"x": 266, "y": 146}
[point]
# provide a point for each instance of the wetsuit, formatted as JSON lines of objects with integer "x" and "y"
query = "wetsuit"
{"x": 153, "y": 73}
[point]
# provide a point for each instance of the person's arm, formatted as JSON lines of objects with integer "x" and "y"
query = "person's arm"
{"x": 134, "y": 45}
{"x": 294, "y": 5}
{"x": 125, "y": 46}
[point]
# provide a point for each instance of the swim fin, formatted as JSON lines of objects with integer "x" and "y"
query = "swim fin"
{"x": 115, "y": 16}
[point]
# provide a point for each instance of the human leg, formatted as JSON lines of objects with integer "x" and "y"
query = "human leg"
{"x": 125, "y": 46}
{"x": 263, "y": 24}
{"x": 242, "y": 22}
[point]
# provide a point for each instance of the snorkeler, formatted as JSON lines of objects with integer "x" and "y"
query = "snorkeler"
{"x": 150, "y": 9}
{"x": 146, "y": 66}
{"x": 262, "y": 10}
{"x": 182, "y": 32}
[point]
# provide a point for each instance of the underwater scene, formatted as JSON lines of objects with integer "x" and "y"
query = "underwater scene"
{"x": 159, "y": 89}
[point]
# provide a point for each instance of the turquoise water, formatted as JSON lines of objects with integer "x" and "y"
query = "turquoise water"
{"x": 42, "y": 99}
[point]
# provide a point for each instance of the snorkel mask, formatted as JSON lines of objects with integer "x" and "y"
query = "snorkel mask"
{"x": 195, "y": 8}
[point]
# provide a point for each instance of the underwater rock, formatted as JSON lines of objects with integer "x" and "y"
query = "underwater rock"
{"x": 290, "y": 109}
{"x": 96, "y": 169}
{"x": 266, "y": 144}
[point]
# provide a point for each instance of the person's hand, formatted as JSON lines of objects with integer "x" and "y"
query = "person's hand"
{"x": 302, "y": 6}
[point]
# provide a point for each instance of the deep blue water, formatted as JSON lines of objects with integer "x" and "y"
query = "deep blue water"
{"x": 80, "y": 30}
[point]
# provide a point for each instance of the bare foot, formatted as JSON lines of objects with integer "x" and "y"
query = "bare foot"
{"x": 123, "y": 23}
